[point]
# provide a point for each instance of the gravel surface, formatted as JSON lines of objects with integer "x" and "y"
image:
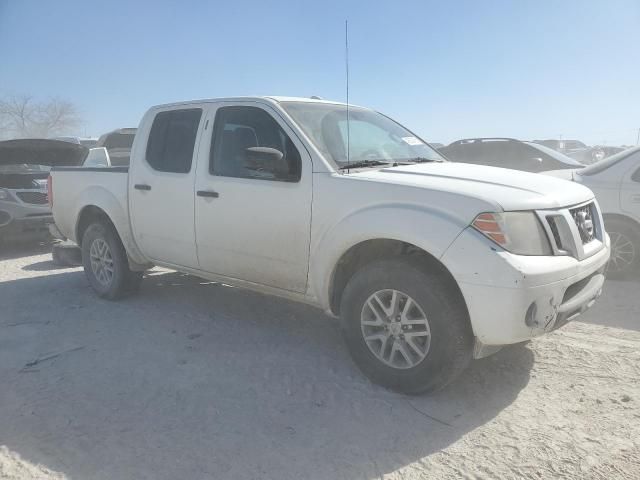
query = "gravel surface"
{"x": 193, "y": 380}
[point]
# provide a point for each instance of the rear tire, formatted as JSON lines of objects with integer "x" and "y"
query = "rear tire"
{"x": 625, "y": 248}
{"x": 105, "y": 263}
{"x": 422, "y": 362}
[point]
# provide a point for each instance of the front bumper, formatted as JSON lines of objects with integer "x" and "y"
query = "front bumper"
{"x": 19, "y": 220}
{"x": 19, "y": 228}
{"x": 513, "y": 298}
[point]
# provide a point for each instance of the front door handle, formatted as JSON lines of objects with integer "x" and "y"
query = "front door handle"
{"x": 142, "y": 186}
{"x": 207, "y": 193}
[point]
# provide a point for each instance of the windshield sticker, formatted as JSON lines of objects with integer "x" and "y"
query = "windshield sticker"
{"x": 412, "y": 141}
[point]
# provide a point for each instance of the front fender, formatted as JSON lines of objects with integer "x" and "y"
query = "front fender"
{"x": 428, "y": 229}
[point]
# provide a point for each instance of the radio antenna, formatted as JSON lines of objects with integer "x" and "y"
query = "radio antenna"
{"x": 346, "y": 64}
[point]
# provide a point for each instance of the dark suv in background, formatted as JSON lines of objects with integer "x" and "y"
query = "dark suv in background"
{"x": 508, "y": 153}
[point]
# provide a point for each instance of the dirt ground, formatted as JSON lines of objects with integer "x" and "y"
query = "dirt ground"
{"x": 197, "y": 380}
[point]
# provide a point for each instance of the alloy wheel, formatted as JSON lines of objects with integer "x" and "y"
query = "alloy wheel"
{"x": 395, "y": 328}
{"x": 101, "y": 262}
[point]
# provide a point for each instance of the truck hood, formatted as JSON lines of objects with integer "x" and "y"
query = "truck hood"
{"x": 563, "y": 174}
{"x": 506, "y": 189}
{"x": 38, "y": 151}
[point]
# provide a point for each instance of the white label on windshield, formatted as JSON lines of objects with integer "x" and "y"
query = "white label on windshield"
{"x": 413, "y": 141}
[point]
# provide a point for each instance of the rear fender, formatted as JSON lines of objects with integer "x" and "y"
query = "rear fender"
{"x": 106, "y": 201}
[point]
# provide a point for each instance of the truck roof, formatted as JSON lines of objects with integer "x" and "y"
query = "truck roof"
{"x": 271, "y": 98}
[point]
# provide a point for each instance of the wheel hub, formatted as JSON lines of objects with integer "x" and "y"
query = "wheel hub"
{"x": 395, "y": 329}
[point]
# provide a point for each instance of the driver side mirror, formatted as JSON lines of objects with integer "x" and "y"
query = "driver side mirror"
{"x": 267, "y": 160}
{"x": 263, "y": 155}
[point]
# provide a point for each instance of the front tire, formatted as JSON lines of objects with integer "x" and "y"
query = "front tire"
{"x": 406, "y": 329}
{"x": 105, "y": 263}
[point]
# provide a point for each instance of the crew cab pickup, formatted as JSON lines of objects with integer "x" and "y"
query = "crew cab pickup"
{"x": 427, "y": 263}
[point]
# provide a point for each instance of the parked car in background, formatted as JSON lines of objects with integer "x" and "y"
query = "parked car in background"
{"x": 616, "y": 184}
{"x": 410, "y": 251}
{"x": 577, "y": 150}
{"x": 85, "y": 142}
{"x": 24, "y": 168}
{"x": 507, "y": 153}
{"x": 118, "y": 143}
{"x": 600, "y": 152}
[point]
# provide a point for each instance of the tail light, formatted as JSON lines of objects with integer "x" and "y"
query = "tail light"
{"x": 50, "y": 191}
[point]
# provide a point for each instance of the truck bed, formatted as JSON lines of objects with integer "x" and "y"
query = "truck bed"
{"x": 75, "y": 188}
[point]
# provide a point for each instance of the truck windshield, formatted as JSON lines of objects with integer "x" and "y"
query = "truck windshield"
{"x": 371, "y": 138}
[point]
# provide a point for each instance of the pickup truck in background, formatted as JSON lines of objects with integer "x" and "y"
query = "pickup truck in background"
{"x": 427, "y": 263}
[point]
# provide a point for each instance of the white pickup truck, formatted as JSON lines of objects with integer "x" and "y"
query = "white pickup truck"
{"x": 427, "y": 263}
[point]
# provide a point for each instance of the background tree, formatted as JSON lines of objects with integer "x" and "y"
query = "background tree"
{"x": 24, "y": 117}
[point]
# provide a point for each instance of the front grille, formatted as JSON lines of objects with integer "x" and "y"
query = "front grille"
{"x": 36, "y": 198}
{"x": 584, "y": 219}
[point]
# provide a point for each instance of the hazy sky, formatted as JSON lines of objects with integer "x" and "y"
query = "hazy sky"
{"x": 446, "y": 69}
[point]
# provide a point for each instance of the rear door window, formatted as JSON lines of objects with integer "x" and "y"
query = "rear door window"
{"x": 172, "y": 140}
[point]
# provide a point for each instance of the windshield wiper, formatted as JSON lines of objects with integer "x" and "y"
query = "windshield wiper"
{"x": 363, "y": 163}
{"x": 419, "y": 160}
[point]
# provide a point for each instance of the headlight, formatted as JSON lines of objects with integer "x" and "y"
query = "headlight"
{"x": 518, "y": 232}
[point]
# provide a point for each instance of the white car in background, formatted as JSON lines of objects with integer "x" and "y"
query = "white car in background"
{"x": 97, "y": 157}
{"x": 616, "y": 184}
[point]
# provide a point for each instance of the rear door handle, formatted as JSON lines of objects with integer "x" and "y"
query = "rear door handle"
{"x": 142, "y": 186}
{"x": 207, "y": 193}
